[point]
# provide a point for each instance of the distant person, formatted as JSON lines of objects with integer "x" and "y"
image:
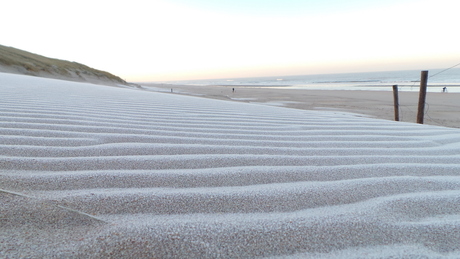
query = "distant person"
{"x": 233, "y": 89}
{"x": 444, "y": 89}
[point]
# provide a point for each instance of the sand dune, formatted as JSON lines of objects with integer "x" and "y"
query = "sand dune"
{"x": 21, "y": 62}
{"x": 95, "y": 171}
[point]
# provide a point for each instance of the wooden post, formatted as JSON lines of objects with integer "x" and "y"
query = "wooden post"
{"x": 422, "y": 96}
{"x": 396, "y": 101}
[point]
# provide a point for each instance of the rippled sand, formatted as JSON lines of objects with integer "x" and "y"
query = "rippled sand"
{"x": 95, "y": 171}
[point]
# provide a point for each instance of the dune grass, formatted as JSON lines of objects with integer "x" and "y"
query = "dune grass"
{"x": 34, "y": 64}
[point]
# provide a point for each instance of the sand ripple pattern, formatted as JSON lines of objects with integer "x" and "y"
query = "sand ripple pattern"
{"x": 95, "y": 171}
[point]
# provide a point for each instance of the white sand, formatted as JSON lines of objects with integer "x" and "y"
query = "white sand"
{"x": 92, "y": 171}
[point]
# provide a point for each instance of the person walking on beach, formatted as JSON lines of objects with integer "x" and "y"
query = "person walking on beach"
{"x": 444, "y": 89}
{"x": 233, "y": 89}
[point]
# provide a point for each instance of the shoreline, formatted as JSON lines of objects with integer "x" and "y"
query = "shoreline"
{"x": 441, "y": 109}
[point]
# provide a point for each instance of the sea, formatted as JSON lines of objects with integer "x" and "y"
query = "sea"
{"x": 439, "y": 80}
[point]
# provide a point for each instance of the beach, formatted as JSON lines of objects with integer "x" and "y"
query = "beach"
{"x": 93, "y": 171}
{"x": 441, "y": 109}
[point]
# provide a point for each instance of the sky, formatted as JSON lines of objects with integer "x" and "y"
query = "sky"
{"x": 159, "y": 40}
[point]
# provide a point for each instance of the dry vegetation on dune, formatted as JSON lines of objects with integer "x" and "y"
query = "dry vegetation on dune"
{"x": 22, "y": 62}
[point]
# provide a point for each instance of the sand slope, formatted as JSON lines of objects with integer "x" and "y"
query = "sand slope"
{"x": 95, "y": 171}
{"x": 21, "y": 62}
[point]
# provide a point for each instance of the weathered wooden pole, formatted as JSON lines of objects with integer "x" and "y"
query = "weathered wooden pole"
{"x": 396, "y": 101}
{"x": 422, "y": 97}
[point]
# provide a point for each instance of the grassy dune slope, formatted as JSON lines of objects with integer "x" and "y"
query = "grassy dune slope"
{"x": 17, "y": 61}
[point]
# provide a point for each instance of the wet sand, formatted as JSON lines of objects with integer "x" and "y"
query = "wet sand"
{"x": 442, "y": 109}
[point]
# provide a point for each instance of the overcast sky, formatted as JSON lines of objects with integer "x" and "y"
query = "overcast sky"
{"x": 153, "y": 40}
